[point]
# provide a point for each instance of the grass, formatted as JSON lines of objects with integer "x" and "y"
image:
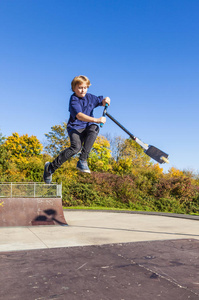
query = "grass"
{"x": 95, "y": 208}
{"x": 116, "y": 209}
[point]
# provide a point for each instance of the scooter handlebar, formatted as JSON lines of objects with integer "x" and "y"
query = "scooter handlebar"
{"x": 104, "y": 113}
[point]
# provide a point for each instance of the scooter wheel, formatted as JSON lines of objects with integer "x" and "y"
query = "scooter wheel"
{"x": 164, "y": 159}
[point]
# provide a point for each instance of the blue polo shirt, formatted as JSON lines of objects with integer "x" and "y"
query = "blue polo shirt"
{"x": 85, "y": 105}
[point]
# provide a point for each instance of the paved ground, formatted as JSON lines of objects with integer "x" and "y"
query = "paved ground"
{"x": 97, "y": 228}
{"x": 102, "y": 255}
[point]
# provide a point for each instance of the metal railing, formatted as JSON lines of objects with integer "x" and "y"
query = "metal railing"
{"x": 30, "y": 190}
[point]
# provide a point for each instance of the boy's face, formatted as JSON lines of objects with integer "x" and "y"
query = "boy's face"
{"x": 81, "y": 90}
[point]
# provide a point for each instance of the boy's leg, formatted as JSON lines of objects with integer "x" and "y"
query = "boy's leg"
{"x": 90, "y": 135}
{"x": 75, "y": 147}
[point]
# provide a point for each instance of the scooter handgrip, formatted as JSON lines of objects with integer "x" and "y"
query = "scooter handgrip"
{"x": 104, "y": 113}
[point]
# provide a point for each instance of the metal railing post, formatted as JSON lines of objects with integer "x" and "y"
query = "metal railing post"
{"x": 34, "y": 189}
{"x": 59, "y": 190}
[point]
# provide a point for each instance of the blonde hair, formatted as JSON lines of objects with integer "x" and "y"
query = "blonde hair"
{"x": 78, "y": 80}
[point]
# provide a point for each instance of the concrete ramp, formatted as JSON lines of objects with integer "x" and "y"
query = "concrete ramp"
{"x": 31, "y": 211}
{"x": 27, "y": 204}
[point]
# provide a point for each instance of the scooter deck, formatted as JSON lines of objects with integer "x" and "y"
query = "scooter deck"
{"x": 156, "y": 154}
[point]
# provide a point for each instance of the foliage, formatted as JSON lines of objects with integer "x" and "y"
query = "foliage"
{"x": 100, "y": 155}
{"x": 2, "y": 139}
{"x": 122, "y": 166}
{"x": 129, "y": 192}
{"x": 21, "y": 158}
{"x": 130, "y": 181}
{"x": 178, "y": 187}
{"x": 23, "y": 146}
{"x": 5, "y": 161}
{"x": 33, "y": 169}
{"x": 98, "y": 189}
{"x": 57, "y": 139}
{"x": 130, "y": 149}
{"x": 173, "y": 172}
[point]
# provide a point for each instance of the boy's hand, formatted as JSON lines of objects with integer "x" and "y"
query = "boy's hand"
{"x": 101, "y": 120}
{"x": 106, "y": 100}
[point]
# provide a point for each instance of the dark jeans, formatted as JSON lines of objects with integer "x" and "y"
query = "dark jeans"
{"x": 83, "y": 140}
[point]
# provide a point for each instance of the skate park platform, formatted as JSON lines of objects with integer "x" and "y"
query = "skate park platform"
{"x": 102, "y": 255}
{"x": 30, "y": 204}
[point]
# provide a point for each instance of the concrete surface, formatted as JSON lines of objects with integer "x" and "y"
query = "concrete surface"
{"x": 102, "y": 256}
{"x": 98, "y": 228}
{"x": 165, "y": 270}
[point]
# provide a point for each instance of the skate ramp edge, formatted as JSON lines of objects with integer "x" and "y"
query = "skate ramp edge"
{"x": 31, "y": 212}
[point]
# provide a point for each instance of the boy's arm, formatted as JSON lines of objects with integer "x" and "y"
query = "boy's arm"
{"x": 82, "y": 117}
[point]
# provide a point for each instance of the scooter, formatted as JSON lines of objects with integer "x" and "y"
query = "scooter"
{"x": 155, "y": 153}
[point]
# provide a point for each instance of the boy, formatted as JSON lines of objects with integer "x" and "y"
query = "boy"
{"x": 81, "y": 127}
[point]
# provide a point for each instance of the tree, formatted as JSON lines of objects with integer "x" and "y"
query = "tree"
{"x": 130, "y": 149}
{"x": 23, "y": 146}
{"x": 57, "y": 139}
{"x": 115, "y": 145}
{"x": 2, "y": 138}
{"x": 100, "y": 155}
{"x": 16, "y": 154}
{"x": 129, "y": 156}
{"x": 4, "y": 158}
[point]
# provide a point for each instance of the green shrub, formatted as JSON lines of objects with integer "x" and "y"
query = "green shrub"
{"x": 177, "y": 187}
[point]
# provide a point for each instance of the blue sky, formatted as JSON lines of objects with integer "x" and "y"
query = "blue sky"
{"x": 143, "y": 54}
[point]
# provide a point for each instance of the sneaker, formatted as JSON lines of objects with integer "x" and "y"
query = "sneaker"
{"x": 47, "y": 174}
{"x": 82, "y": 166}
